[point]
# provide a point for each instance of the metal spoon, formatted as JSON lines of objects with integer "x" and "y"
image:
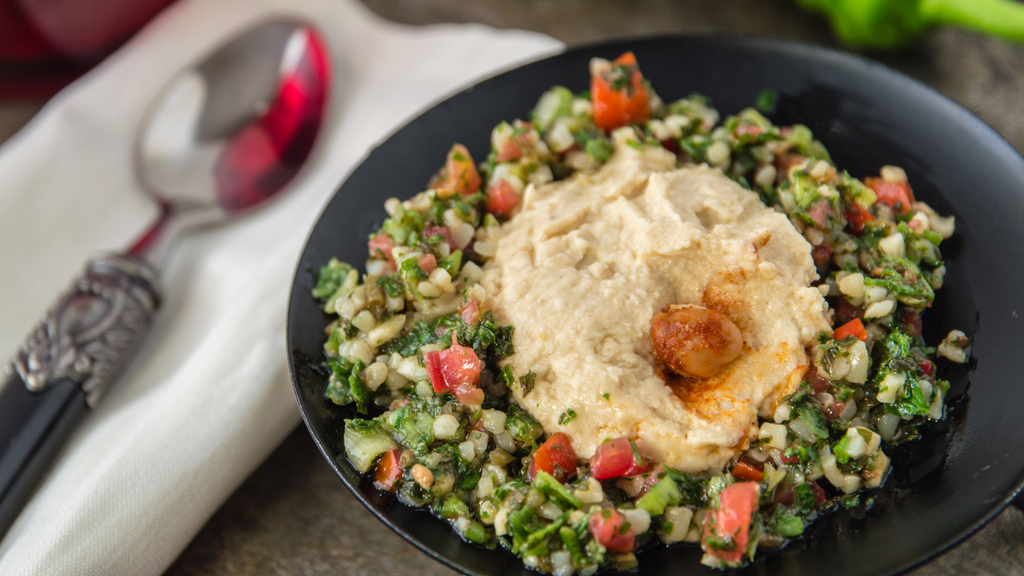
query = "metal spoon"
{"x": 223, "y": 137}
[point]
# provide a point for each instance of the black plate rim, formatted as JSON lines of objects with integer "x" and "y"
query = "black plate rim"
{"x": 748, "y": 41}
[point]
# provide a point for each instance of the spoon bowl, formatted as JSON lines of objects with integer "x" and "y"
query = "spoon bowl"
{"x": 231, "y": 132}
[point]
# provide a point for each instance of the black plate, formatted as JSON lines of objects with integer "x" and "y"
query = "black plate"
{"x": 868, "y": 116}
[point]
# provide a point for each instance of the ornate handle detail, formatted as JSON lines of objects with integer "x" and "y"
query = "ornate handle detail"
{"x": 94, "y": 328}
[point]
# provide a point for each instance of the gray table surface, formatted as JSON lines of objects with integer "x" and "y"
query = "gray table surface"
{"x": 293, "y": 516}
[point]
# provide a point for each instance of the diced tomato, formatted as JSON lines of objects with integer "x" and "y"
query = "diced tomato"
{"x": 790, "y": 459}
{"x": 732, "y": 520}
{"x": 652, "y": 479}
{"x": 615, "y": 107}
{"x": 857, "y": 216}
{"x": 819, "y": 493}
{"x": 784, "y": 494}
{"x": 522, "y": 139}
{"x": 846, "y": 311}
{"x": 817, "y": 382}
{"x": 896, "y": 195}
{"x": 609, "y": 528}
{"x": 747, "y": 471}
{"x": 468, "y": 394}
{"x": 381, "y": 246}
{"x": 785, "y": 161}
{"x": 835, "y": 410}
{"x": 927, "y": 368}
{"x": 461, "y": 368}
{"x": 388, "y": 470}
{"x": 556, "y": 457}
{"x": 672, "y": 146}
{"x": 852, "y": 328}
{"x": 819, "y": 212}
{"x": 456, "y": 370}
{"x": 618, "y": 457}
{"x": 501, "y": 198}
{"x": 432, "y": 360}
{"x": 470, "y": 312}
{"x": 459, "y": 172}
{"x": 431, "y": 231}
{"x": 427, "y": 262}
{"x": 913, "y": 320}
{"x": 510, "y": 150}
{"x": 747, "y": 130}
{"x": 821, "y": 253}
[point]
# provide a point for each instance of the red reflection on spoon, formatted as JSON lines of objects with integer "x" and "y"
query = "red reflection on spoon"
{"x": 261, "y": 159}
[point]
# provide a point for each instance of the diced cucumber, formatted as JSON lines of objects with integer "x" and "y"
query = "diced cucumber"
{"x": 664, "y": 493}
{"x": 348, "y": 284}
{"x": 330, "y": 278}
{"x": 805, "y": 191}
{"x": 476, "y": 534}
{"x": 552, "y": 104}
{"x": 413, "y": 430}
{"x": 790, "y": 526}
{"x": 522, "y": 426}
{"x": 451, "y": 508}
{"x": 802, "y": 139}
{"x": 856, "y": 191}
{"x": 364, "y": 442}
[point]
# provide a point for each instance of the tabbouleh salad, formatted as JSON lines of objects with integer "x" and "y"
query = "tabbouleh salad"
{"x": 414, "y": 338}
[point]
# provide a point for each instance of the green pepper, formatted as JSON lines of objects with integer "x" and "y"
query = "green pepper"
{"x": 553, "y": 489}
{"x": 521, "y": 525}
{"x": 572, "y": 544}
{"x": 892, "y": 24}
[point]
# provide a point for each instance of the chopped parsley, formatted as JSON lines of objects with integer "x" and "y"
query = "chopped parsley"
{"x": 527, "y": 382}
{"x": 568, "y": 416}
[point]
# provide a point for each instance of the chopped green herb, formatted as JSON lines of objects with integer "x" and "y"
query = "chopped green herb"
{"x": 568, "y": 416}
{"x": 600, "y": 149}
{"x": 392, "y": 286}
{"x": 527, "y": 382}
{"x": 330, "y": 278}
{"x": 766, "y": 101}
{"x": 507, "y": 376}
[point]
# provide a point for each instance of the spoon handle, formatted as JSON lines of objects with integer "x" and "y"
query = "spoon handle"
{"x": 64, "y": 367}
{"x": 33, "y": 427}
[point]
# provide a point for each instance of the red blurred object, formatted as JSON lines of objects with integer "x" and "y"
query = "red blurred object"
{"x": 265, "y": 155}
{"x": 46, "y": 44}
{"x": 616, "y": 458}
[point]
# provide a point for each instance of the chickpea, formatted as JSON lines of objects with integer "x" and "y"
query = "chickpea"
{"x": 695, "y": 341}
{"x": 422, "y": 475}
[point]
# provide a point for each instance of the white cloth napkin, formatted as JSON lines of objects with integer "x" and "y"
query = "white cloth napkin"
{"x": 208, "y": 397}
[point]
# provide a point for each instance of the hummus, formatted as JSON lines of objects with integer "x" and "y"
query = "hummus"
{"x": 587, "y": 262}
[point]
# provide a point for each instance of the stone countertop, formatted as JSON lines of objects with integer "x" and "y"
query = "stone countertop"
{"x": 293, "y": 516}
